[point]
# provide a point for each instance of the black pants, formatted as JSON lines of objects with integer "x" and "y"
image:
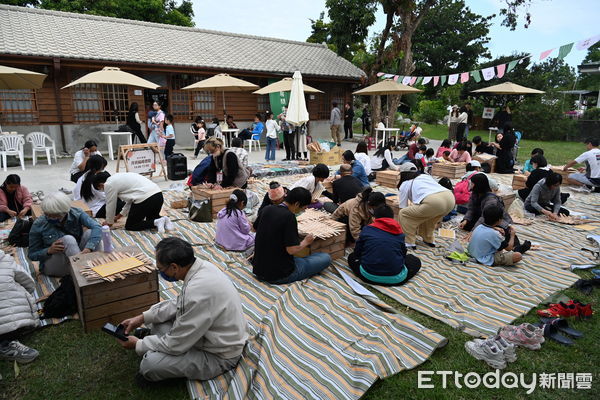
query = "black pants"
{"x": 199, "y": 146}
{"x": 412, "y": 264}
{"x": 137, "y": 133}
{"x": 366, "y": 125}
{"x": 245, "y": 134}
{"x": 169, "y": 148}
{"x": 290, "y": 146}
{"x": 75, "y": 177}
{"x": 347, "y": 129}
{"x": 102, "y": 211}
{"x": 548, "y": 207}
{"x": 460, "y": 132}
{"x": 142, "y": 215}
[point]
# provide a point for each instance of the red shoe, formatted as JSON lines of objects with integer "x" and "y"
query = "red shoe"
{"x": 583, "y": 310}
{"x": 559, "y": 310}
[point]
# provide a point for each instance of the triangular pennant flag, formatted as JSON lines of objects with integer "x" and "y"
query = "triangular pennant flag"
{"x": 396, "y": 78}
{"x": 501, "y": 69}
{"x": 464, "y": 77}
{"x": 436, "y": 79}
{"x": 388, "y": 76}
{"x": 452, "y": 79}
{"x": 488, "y": 73}
{"x": 545, "y": 54}
{"x": 426, "y": 80}
{"x": 511, "y": 65}
{"x": 587, "y": 43}
{"x": 443, "y": 82}
{"x": 406, "y": 80}
{"x": 476, "y": 75}
{"x": 419, "y": 79}
{"x": 412, "y": 80}
{"x": 380, "y": 74}
{"x": 564, "y": 50}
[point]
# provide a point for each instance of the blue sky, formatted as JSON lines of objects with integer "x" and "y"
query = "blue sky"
{"x": 554, "y": 22}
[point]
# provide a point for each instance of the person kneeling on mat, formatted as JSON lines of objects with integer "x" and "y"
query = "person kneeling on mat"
{"x": 379, "y": 256}
{"x": 199, "y": 335}
{"x": 487, "y": 243}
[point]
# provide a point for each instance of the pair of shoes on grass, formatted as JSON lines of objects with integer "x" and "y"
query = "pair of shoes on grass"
{"x": 554, "y": 328}
{"x": 572, "y": 308}
{"x": 524, "y": 335}
{"x": 495, "y": 351}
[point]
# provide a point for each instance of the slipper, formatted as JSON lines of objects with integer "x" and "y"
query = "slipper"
{"x": 551, "y": 332}
{"x": 563, "y": 326}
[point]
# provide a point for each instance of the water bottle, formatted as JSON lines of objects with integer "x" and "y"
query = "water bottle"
{"x": 107, "y": 239}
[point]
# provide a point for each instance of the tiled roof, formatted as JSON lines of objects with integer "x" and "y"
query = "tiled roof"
{"x": 28, "y": 31}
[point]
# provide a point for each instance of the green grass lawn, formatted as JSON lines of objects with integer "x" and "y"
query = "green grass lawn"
{"x": 74, "y": 365}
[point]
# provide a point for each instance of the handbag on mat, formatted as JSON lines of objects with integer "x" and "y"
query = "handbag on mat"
{"x": 200, "y": 210}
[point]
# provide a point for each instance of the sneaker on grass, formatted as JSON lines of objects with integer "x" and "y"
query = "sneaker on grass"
{"x": 16, "y": 351}
{"x": 486, "y": 351}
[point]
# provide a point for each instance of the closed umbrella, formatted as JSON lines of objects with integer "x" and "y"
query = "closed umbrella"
{"x": 224, "y": 83}
{"x": 508, "y": 88}
{"x": 284, "y": 85}
{"x": 16, "y": 78}
{"x": 386, "y": 87}
{"x": 297, "y": 113}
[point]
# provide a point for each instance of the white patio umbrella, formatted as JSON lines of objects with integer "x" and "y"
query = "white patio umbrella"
{"x": 297, "y": 113}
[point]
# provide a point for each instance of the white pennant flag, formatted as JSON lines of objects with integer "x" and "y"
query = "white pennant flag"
{"x": 488, "y": 73}
{"x": 426, "y": 80}
{"x": 452, "y": 79}
{"x": 585, "y": 44}
{"x": 406, "y": 80}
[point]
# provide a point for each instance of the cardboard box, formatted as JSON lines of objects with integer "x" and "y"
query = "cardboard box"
{"x": 332, "y": 157}
{"x": 449, "y": 170}
{"x": 99, "y": 301}
{"x": 218, "y": 198}
{"x": 518, "y": 181}
{"x": 388, "y": 178}
{"x": 36, "y": 209}
{"x": 487, "y": 159}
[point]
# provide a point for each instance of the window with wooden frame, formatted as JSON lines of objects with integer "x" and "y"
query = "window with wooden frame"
{"x": 94, "y": 103}
{"x": 264, "y": 102}
{"x": 187, "y": 104}
{"x": 18, "y": 106}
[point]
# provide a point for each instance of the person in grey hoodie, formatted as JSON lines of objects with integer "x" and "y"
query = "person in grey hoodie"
{"x": 202, "y": 333}
{"x": 335, "y": 122}
{"x": 545, "y": 198}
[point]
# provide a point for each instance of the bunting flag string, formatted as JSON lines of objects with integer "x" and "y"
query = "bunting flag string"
{"x": 496, "y": 71}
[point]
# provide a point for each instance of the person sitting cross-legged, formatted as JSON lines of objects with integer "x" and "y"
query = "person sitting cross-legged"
{"x": 344, "y": 188}
{"x": 58, "y": 235}
{"x": 379, "y": 256}
{"x": 199, "y": 335}
{"x": 487, "y": 243}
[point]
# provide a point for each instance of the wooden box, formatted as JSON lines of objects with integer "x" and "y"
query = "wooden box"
{"x": 449, "y": 170}
{"x": 334, "y": 246}
{"x": 36, "y": 209}
{"x": 392, "y": 201}
{"x": 518, "y": 181}
{"x": 218, "y": 198}
{"x": 564, "y": 174}
{"x": 332, "y": 157}
{"x": 487, "y": 159}
{"x": 388, "y": 178}
{"x": 99, "y": 302}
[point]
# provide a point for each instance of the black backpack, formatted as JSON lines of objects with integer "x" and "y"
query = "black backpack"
{"x": 63, "y": 301}
{"x": 19, "y": 235}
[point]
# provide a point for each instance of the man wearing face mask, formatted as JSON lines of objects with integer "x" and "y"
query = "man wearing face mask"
{"x": 58, "y": 235}
{"x": 202, "y": 333}
{"x": 277, "y": 242}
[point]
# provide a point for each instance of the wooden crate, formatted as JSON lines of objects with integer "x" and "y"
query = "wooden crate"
{"x": 99, "y": 301}
{"x": 508, "y": 199}
{"x": 334, "y": 246}
{"x": 518, "y": 181}
{"x": 388, "y": 178}
{"x": 36, "y": 209}
{"x": 487, "y": 159}
{"x": 218, "y": 198}
{"x": 392, "y": 201}
{"x": 332, "y": 157}
{"x": 449, "y": 170}
{"x": 564, "y": 174}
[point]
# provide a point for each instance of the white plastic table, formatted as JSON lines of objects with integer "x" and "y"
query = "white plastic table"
{"x": 109, "y": 136}
{"x": 234, "y": 133}
{"x": 384, "y": 133}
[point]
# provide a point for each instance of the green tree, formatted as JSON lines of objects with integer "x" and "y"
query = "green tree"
{"x": 589, "y": 81}
{"x": 161, "y": 11}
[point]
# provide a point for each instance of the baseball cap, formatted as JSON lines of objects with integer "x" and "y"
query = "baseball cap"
{"x": 408, "y": 167}
{"x": 474, "y": 163}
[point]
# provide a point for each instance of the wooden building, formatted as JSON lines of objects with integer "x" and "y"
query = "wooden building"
{"x": 65, "y": 46}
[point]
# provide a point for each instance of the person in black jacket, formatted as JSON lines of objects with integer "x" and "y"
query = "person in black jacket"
{"x": 344, "y": 188}
{"x": 135, "y": 123}
{"x": 348, "y": 119}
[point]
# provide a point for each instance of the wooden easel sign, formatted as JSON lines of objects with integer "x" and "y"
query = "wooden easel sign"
{"x": 141, "y": 159}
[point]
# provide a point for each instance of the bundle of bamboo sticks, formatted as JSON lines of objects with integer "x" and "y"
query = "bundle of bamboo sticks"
{"x": 104, "y": 258}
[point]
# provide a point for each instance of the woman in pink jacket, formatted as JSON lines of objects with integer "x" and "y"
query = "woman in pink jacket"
{"x": 15, "y": 200}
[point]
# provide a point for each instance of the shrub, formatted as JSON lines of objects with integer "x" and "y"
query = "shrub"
{"x": 430, "y": 111}
{"x": 542, "y": 121}
{"x": 592, "y": 114}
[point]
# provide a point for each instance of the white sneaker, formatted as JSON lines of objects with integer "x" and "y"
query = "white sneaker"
{"x": 168, "y": 224}
{"x": 159, "y": 223}
{"x": 486, "y": 351}
{"x": 507, "y": 348}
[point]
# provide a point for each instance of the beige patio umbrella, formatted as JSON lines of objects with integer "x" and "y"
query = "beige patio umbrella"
{"x": 224, "y": 83}
{"x": 16, "y": 78}
{"x": 508, "y": 88}
{"x": 284, "y": 85}
{"x": 387, "y": 87}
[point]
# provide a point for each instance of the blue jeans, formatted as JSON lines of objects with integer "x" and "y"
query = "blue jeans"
{"x": 271, "y": 145}
{"x": 307, "y": 267}
{"x": 466, "y": 131}
{"x": 402, "y": 160}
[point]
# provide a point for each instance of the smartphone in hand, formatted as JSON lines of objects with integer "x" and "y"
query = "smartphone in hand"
{"x": 116, "y": 331}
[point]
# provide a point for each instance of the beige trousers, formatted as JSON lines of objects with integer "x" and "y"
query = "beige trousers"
{"x": 336, "y": 133}
{"x": 421, "y": 219}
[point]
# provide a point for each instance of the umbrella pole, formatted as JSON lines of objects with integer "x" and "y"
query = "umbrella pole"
{"x": 224, "y": 108}
{"x": 115, "y": 105}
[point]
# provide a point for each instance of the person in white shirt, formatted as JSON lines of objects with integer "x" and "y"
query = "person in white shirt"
{"x": 313, "y": 183}
{"x": 463, "y": 117}
{"x": 143, "y": 201}
{"x": 590, "y": 175}
{"x": 362, "y": 156}
{"x": 84, "y": 190}
{"x": 238, "y": 149}
{"x": 383, "y": 158}
{"x": 272, "y": 128}
{"x": 430, "y": 203}
{"x": 81, "y": 158}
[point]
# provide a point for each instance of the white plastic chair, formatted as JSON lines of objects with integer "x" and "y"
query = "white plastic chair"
{"x": 255, "y": 139}
{"x": 12, "y": 145}
{"x": 38, "y": 143}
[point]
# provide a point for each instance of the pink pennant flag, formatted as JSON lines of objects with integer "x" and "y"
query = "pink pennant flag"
{"x": 426, "y": 80}
{"x": 585, "y": 44}
{"x": 412, "y": 80}
{"x": 396, "y": 78}
{"x": 464, "y": 77}
{"x": 452, "y": 79}
{"x": 500, "y": 68}
{"x": 436, "y": 79}
{"x": 545, "y": 54}
{"x": 488, "y": 73}
{"x": 406, "y": 80}
{"x": 380, "y": 74}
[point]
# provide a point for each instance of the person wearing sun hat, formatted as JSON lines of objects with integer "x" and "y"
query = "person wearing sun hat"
{"x": 275, "y": 195}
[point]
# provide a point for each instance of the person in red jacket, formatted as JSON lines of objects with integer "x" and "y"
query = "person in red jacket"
{"x": 15, "y": 200}
{"x": 379, "y": 256}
